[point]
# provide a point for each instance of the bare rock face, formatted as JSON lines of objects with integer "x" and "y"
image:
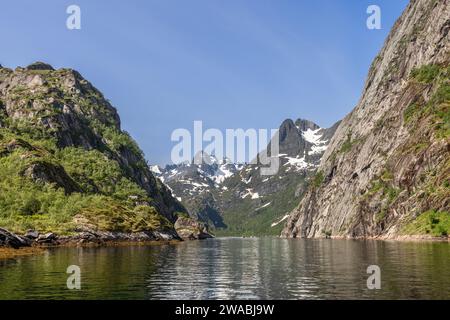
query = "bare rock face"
{"x": 388, "y": 161}
{"x": 45, "y": 172}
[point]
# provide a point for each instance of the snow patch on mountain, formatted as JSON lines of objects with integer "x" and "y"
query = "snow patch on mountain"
{"x": 225, "y": 170}
{"x": 155, "y": 169}
{"x": 312, "y": 136}
{"x": 279, "y": 221}
{"x": 317, "y": 149}
{"x": 263, "y": 206}
{"x": 299, "y": 163}
{"x": 251, "y": 193}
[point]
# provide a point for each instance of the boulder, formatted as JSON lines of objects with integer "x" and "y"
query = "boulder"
{"x": 190, "y": 229}
{"x": 8, "y": 239}
{"x": 31, "y": 234}
{"x": 46, "y": 172}
{"x": 39, "y": 66}
{"x": 47, "y": 238}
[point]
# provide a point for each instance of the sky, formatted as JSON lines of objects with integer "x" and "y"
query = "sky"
{"x": 231, "y": 64}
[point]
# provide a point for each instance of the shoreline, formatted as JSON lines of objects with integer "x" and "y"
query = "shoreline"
{"x": 12, "y": 245}
{"x": 400, "y": 238}
{"x": 9, "y": 252}
{"x": 37, "y": 248}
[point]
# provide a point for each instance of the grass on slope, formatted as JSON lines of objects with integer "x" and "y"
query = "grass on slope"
{"x": 107, "y": 197}
{"x": 429, "y": 223}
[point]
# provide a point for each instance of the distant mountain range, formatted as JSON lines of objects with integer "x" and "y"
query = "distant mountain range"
{"x": 235, "y": 199}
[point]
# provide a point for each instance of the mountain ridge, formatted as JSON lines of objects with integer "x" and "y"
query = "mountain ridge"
{"x": 243, "y": 193}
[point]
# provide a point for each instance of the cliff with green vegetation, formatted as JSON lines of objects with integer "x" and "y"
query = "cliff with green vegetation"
{"x": 386, "y": 172}
{"x": 65, "y": 164}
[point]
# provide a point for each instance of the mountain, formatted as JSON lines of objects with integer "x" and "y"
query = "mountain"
{"x": 234, "y": 199}
{"x": 196, "y": 185}
{"x": 65, "y": 164}
{"x": 253, "y": 204}
{"x": 386, "y": 172}
{"x": 192, "y": 178}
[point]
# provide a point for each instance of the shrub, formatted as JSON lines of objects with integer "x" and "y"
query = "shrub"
{"x": 411, "y": 111}
{"x": 436, "y": 223}
{"x": 426, "y": 74}
{"x": 318, "y": 179}
{"x": 347, "y": 145}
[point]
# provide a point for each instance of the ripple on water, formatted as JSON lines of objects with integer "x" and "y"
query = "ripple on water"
{"x": 235, "y": 268}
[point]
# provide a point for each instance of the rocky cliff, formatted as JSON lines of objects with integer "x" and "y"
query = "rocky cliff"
{"x": 65, "y": 163}
{"x": 386, "y": 171}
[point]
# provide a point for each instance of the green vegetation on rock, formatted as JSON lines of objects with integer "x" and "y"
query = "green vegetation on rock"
{"x": 384, "y": 189}
{"x": 318, "y": 179}
{"x": 244, "y": 218}
{"x": 429, "y": 223}
{"x": 426, "y": 74}
{"x": 437, "y": 107}
{"x": 65, "y": 163}
{"x": 347, "y": 145}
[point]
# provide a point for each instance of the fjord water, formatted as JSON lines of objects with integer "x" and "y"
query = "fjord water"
{"x": 234, "y": 268}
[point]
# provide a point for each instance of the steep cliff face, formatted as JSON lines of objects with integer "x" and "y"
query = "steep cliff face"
{"x": 387, "y": 169}
{"x": 59, "y": 134}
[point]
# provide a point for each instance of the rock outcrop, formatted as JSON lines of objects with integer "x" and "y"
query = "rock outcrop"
{"x": 389, "y": 160}
{"x": 8, "y": 239}
{"x": 190, "y": 229}
{"x": 59, "y": 133}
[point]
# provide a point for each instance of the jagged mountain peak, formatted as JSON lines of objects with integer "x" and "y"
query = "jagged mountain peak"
{"x": 303, "y": 125}
{"x": 302, "y": 141}
{"x": 203, "y": 157}
{"x": 202, "y": 173}
{"x": 289, "y": 137}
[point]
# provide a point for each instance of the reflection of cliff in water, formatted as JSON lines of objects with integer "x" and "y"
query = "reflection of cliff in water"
{"x": 235, "y": 268}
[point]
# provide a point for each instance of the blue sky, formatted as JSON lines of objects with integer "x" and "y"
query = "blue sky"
{"x": 232, "y": 64}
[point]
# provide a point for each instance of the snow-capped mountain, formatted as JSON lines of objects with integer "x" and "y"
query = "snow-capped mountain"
{"x": 301, "y": 144}
{"x": 236, "y": 199}
{"x": 188, "y": 180}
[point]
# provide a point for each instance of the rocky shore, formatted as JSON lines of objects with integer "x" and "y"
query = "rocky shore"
{"x": 185, "y": 229}
{"x": 190, "y": 229}
{"x": 35, "y": 239}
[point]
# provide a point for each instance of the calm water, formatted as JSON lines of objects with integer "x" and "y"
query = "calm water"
{"x": 233, "y": 268}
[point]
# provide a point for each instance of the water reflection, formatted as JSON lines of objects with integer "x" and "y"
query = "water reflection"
{"x": 235, "y": 268}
